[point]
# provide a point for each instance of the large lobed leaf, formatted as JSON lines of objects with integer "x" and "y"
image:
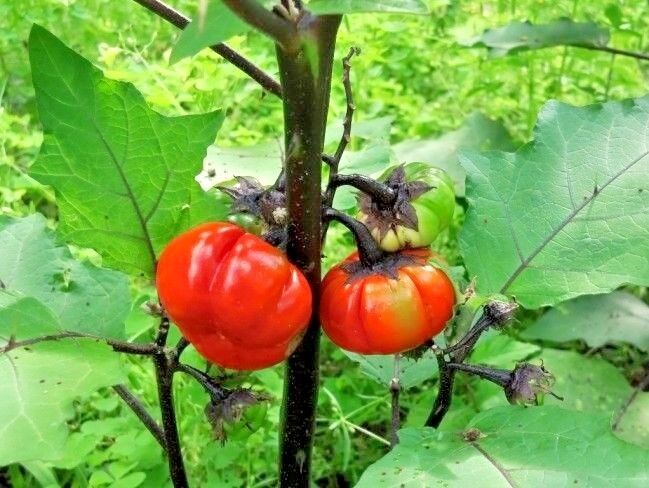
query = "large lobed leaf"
{"x": 514, "y": 446}
{"x": 597, "y": 320}
{"x": 34, "y": 267}
{"x": 37, "y": 387}
{"x": 45, "y": 292}
{"x": 123, "y": 174}
{"x": 593, "y": 384}
{"x": 477, "y": 132}
{"x": 411, "y": 372}
{"x": 523, "y": 36}
{"x": 584, "y": 384}
{"x": 567, "y": 214}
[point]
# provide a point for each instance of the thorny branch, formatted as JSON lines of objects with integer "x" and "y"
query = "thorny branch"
{"x": 145, "y": 349}
{"x": 140, "y": 410}
{"x": 179, "y": 20}
{"x": 334, "y": 161}
{"x": 494, "y": 314}
{"x": 613, "y": 50}
{"x": 164, "y": 371}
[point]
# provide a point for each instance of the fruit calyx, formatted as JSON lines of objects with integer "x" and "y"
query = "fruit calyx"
{"x": 388, "y": 265}
{"x": 250, "y": 196}
{"x": 385, "y": 215}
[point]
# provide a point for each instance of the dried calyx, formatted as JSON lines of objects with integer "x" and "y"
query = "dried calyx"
{"x": 251, "y": 197}
{"x": 524, "y": 385}
{"x": 229, "y": 408}
{"x": 499, "y": 312}
{"x": 386, "y": 214}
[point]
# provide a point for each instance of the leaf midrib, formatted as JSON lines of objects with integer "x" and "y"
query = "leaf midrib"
{"x": 569, "y": 218}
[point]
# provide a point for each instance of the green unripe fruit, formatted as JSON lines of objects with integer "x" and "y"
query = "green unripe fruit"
{"x": 423, "y": 209}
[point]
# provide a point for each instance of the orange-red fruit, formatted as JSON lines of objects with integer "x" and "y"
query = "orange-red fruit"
{"x": 236, "y": 298}
{"x": 376, "y": 314}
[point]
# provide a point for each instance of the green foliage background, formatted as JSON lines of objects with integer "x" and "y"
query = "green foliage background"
{"x": 412, "y": 69}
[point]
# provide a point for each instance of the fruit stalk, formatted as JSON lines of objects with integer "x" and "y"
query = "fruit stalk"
{"x": 378, "y": 191}
{"x": 494, "y": 314}
{"x": 368, "y": 251}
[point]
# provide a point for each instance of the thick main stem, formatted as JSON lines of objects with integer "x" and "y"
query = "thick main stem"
{"x": 306, "y": 86}
{"x": 164, "y": 380}
{"x": 164, "y": 373}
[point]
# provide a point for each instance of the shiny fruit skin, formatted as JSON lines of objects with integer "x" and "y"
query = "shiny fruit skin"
{"x": 434, "y": 209}
{"x": 235, "y": 297}
{"x": 372, "y": 313}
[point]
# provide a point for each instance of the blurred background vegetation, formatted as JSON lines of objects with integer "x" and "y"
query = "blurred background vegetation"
{"x": 411, "y": 69}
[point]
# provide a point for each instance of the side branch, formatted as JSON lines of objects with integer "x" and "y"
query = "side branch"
{"x": 179, "y": 20}
{"x": 613, "y": 50}
{"x": 140, "y": 411}
{"x": 264, "y": 21}
{"x": 444, "y": 395}
{"x": 164, "y": 371}
{"x": 334, "y": 161}
{"x": 494, "y": 314}
{"x": 395, "y": 391}
{"x": 145, "y": 349}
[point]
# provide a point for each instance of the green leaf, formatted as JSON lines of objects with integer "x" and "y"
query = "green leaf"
{"x": 218, "y": 24}
{"x": 478, "y": 132}
{"x": 47, "y": 292}
{"x": 595, "y": 319}
{"x": 411, "y": 372}
{"x": 523, "y": 36}
{"x": 43, "y": 474}
{"x": 585, "y": 383}
{"x": 36, "y": 393}
{"x": 263, "y": 161}
{"x": 359, "y": 6}
{"x": 500, "y": 350}
{"x": 123, "y": 174}
{"x": 567, "y": 214}
{"x": 25, "y": 317}
{"x": 633, "y": 423}
{"x": 49, "y": 288}
{"x": 514, "y": 446}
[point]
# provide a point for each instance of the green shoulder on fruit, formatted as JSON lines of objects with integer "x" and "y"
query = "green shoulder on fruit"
{"x": 423, "y": 207}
